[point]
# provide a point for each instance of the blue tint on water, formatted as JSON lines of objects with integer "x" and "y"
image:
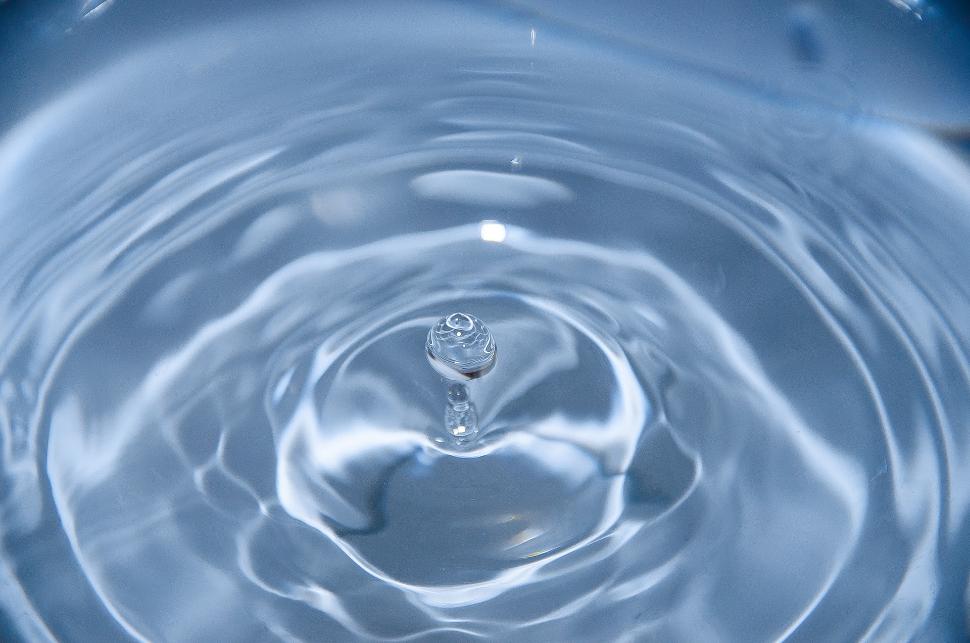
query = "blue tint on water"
{"x": 712, "y": 381}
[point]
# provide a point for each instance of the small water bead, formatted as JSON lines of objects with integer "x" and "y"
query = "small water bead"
{"x": 458, "y": 395}
{"x": 461, "y": 347}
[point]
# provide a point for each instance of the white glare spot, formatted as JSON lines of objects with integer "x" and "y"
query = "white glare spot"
{"x": 493, "y": 231}
{"x": 532, "y": 36}
{"x": 94, "y": 8}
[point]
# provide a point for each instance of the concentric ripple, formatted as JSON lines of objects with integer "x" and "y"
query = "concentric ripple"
{"x": 732, "y": 395}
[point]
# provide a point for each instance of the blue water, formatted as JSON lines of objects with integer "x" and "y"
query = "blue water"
{"x": 727, "y": 294}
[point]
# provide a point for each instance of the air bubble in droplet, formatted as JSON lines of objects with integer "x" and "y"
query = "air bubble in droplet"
{"x": 460, "y": 347}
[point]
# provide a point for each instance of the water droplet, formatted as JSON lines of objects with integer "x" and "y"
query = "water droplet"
{"x": 461, "y": 347}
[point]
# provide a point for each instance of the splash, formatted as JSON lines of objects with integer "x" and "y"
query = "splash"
{"x": 461, "y": 347}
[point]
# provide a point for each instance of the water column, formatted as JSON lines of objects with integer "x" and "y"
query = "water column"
{"x": 460, "y": 348}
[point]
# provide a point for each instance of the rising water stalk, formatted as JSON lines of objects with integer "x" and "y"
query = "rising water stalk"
{"x": 461, "y": 348}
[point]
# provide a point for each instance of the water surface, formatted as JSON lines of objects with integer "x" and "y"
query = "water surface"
{"x": 730, "y": 399}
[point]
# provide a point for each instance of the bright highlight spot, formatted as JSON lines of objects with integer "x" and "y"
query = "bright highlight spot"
{"x": 493, "y": 231}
